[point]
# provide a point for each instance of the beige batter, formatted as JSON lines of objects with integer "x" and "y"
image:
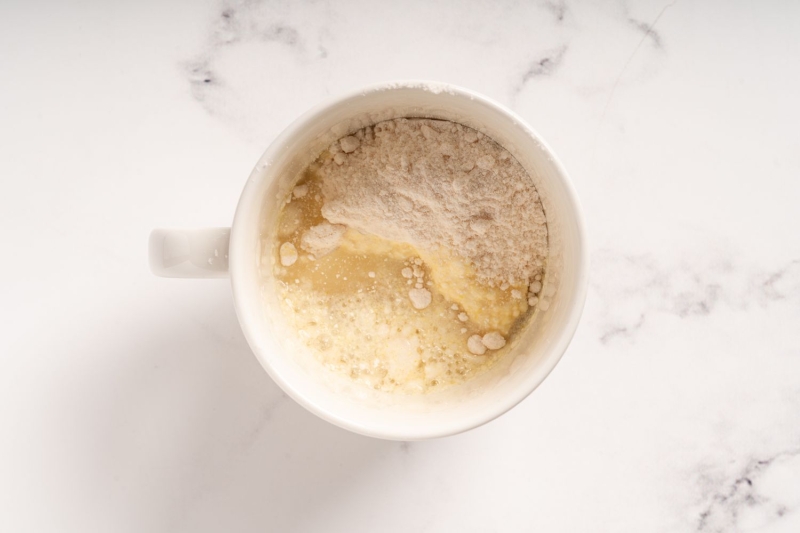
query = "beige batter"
{"x": 394, "y": 315}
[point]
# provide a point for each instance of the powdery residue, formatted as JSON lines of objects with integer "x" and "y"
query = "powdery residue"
{"x": 435, "y": 184}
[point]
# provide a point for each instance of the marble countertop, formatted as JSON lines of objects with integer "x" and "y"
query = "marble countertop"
{"x": 132, "y": 403}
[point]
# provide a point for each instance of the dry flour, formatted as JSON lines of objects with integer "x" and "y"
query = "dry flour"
{"x": 436, "y": 184}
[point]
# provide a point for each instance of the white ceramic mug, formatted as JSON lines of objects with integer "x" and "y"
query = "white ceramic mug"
{"x": 237, "y": 252}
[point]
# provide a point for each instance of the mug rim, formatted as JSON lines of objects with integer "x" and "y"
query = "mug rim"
{"x": 250, "y": 324}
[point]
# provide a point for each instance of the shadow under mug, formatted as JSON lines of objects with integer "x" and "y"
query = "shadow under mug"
{"x": 237, "y": 252}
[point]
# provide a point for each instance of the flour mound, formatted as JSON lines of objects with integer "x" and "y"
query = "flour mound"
{"x": 435, "y": 183}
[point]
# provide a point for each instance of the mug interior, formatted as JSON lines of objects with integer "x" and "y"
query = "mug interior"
{"x": 533, "y": 353}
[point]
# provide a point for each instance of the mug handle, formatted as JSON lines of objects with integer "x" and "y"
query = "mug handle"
{"x": 189, "y": 253}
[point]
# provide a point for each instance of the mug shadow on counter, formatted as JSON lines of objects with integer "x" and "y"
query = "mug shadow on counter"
{"x": 180, "y": 429}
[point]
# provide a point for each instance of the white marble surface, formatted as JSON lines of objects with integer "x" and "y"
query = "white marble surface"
{"x": 131, "y": 403}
